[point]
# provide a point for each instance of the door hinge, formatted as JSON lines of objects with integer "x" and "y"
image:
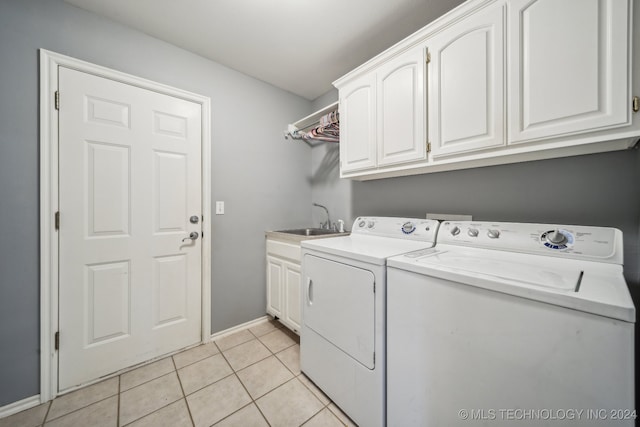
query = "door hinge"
{"x": 57, "y": 340}
{"x": 57, "y": 220}
{"x": 57, "y": 100}
{"x": 428, "y": 56}
{"x": 635, "y": 104}
{"x": 428, "y": 147}
{"x": 374, "y": 358}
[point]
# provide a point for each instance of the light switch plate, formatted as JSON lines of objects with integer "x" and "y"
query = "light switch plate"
{"x": 219, "y": 208}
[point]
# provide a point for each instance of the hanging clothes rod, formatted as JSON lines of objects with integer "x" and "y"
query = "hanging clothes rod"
{"x": 313, "y": 119}
{"x": 298, "y": 130}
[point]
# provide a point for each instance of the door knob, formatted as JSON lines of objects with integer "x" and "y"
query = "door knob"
{"x": 192, "y": 236}
{"x": 194, "y": 219}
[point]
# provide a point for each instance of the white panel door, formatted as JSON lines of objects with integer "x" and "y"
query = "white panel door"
{"x": 466, "y": 94}
{"x": 358, "y": 125}
{"x": 401, "y": 118}
{"x": 130, "y": 178}
{"x": 568, "y": 69}
{"x": 339, "y": 305}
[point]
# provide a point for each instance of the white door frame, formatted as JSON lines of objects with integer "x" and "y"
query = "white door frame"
{"x": 49, "y": 255}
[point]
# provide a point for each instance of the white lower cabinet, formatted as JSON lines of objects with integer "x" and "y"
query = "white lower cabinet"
{"x": 284, "y": 283}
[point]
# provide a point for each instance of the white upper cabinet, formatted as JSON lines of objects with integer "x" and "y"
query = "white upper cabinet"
{"x": 507, "y": 81}
{"x": 568, "y": 69}
{"x": 466, "y": 84}
{"x": 400, "y": 109}
{"x": 358, "y": 124}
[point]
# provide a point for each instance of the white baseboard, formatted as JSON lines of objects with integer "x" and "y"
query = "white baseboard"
{"x": 32, "y": 401}
{"x": 241, "y": 327}
{"x": 20, "y": 405}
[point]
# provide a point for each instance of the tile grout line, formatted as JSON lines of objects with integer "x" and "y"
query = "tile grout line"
{"x": 338, "y": 417}
{"x": 210, "y": 384}
{"x": 273, "y": 354}
{"x": 312, "y": 392}
{"x": 44, "y": 420}
{"x": 160, "y": 408}
{"x": 295, "y": 377}
{"x": 316, "y": 397}
{"x": 77, "y": 409}
{"x": 233, "y": 346}
{"x": 199, "y": 360}
{"x": 184, "y": 395}
{"x": 253, "y": 401}
{"x": 147, "y": 381}
{"x": 282, "y": 385}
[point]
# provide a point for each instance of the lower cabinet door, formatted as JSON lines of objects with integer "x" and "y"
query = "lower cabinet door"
{"x": 275, "y": 276}
{"x": 292, "y": 316}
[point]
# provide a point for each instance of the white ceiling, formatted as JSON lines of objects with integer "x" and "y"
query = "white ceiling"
{"x": 297, "y": 45}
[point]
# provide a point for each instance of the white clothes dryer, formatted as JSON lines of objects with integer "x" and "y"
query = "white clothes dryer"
{"x": 342, "y": 342}
{"x": 511, "y": 324}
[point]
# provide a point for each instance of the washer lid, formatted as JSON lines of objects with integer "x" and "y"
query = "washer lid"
{"x": 562, "y": 279}
{"x": 592, "y": 287}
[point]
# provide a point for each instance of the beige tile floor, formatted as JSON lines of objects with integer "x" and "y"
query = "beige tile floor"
{"x": 250, "y": 378}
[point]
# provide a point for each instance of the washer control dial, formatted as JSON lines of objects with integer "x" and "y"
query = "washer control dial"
{"x": 455, "y": 231}
{"x": 361, "y": 223}
{"x": 493, "y": 233}
{"x": 408, "y": 228}
{"x": 557, "y": 239}
{"x": 473, "y": 232}
{"x": 371, "y": 224}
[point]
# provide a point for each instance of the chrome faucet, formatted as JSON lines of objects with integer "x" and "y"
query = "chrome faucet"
{"x": 327, "y": 224}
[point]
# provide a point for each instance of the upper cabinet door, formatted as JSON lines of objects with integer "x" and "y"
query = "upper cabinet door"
{"x": 357, "y": 124}
{"x": 568, "y": 69}
{"x": 466, "y": 84}
{"x": 401, "y": 117}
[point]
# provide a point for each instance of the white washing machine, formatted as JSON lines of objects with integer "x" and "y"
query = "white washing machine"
{"x": 511, "y": 324}
{"x": 342, "y": 343}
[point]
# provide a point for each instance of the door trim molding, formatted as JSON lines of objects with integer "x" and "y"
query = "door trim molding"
{"x": 49, "y": 255}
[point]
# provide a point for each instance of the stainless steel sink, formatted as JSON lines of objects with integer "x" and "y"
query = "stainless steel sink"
{"x": 308, "y": 231}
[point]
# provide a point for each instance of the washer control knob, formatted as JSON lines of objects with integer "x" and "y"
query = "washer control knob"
{"x": 455, "y": 231}
{"x": 493, "y": 234}
{"x": 361, "y": 223}
{"x": 556, "y": 237}
{"x": 473, "y": 232}
{"x": 408, "y": 228}
{"x": 371, "y": 224}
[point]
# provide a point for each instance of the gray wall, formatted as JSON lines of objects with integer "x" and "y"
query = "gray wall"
{"x": 598, "y": 189}
{"x": 259, "y": 175}
{"x": 326, "y": 186}
{"x": 265, "y": 181}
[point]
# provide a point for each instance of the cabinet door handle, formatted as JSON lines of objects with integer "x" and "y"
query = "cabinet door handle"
{"x": 309, "y": 291}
